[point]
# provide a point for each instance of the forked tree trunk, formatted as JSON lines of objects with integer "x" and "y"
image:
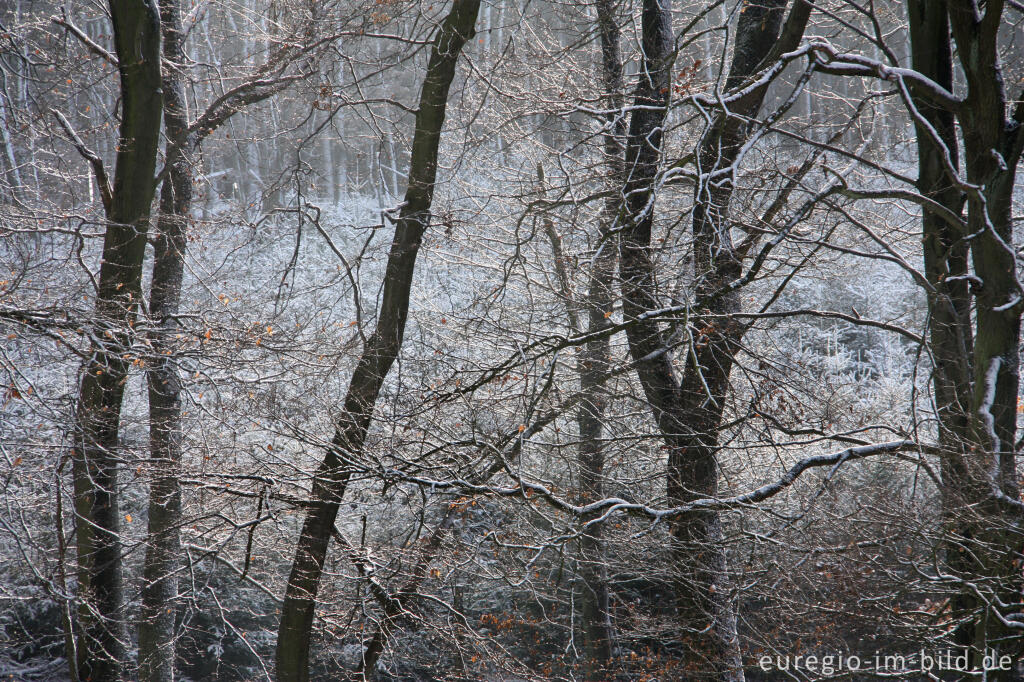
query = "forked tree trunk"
{"x": 380, "y": 351}
{"x": 704, "y": 592}
{"x": 162, "y": 560}
{"x": 101, "y": 640}
{"x": 946, "y": 264}
{"x": 689, "y": 411}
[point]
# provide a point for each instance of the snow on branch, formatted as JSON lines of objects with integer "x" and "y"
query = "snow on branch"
{"x": 607, "y": 507}
{"x": 831, "y": 61}
{"x": 106, "y": 193}
{"x": 89, "y": 43}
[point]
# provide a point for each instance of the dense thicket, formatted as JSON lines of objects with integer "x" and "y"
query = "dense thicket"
{"x": 619, "y": 340}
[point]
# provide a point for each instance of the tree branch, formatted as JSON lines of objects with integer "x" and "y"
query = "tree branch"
{"x": 833, "y": 62}
{"x": 236, "y": 99}
{"x": 92, "y": 45}
{"x": 603, "y": 509}
{"x": 89, "y": 155}
{"x": 835, "y": 315}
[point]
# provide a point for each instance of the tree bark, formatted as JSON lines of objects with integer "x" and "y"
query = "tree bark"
{"x": 12, "y": 170}
{"x": 595, "y": 361}
{"x": 689, "y": 411}
{"x": 160, "y": 580}
{"x": 647, "y": 344}
{"x": 157, "y": 645}
{"x": 944, "y": 245}
{"x": 946, "y": 263}
{"x": 704, "y": 592}
{"x": 380, "y": 351}
{"x": 101, "y": 641}
{"x": 992, "y": 149}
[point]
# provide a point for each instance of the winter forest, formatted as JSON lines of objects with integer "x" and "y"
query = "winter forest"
{"x": 654, "y": 340}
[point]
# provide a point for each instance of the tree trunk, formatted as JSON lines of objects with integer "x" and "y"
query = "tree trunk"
{"x": 157, "y": 645}
{"x": 704, "y": 589}
{"x": 101, "y": 642}
{"x": 646, "y": 343}
{"x": 380, "y": 351}
{"x": 160, "y": 581}
{"x": 12, "y": 170}
{"x": 689, "y": 412}
{"x": 595, "y": 361}
{"x": 992, "y": 149}
{"x": 946, "y": 268}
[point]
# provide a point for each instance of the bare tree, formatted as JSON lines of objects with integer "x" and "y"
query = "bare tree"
{"x": 594, "y": 360}
{"x": 160, "y": 573}
{"x": 688, "y": 401}
{"x": 102, "y": 638}
{"x": 381, "y": 347}
{"x": 977, "y": 368}
{"x": 689, "y": 410}
{"x": 157, "y": 635}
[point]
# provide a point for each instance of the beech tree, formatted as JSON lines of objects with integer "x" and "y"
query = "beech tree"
{"x": 477, "y": 340}
{"x": 594, "y": 360}
{"x": 100, "y": 644}
{"x": 971, "y": 260}
{"x": 381, "y": 348}
{"x": 689, "y": 410}
{"x": 157, "y": 637}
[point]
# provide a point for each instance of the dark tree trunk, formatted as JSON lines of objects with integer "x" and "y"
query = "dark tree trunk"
{"x": 102, "y": 638}
{"x": 157, "y": 645}
{"x": 944, "y": 245}
{"x": 689, "y": 411}
{"x": 380, "y": 351}
{"x": 704, "y": 591}
{"x": 992, "y": 149}
{"x": 991, "y": 153}
{"x": 160, "y": 581}
{"x": 647, "y": 343}
{"x": 945, "y": 249}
